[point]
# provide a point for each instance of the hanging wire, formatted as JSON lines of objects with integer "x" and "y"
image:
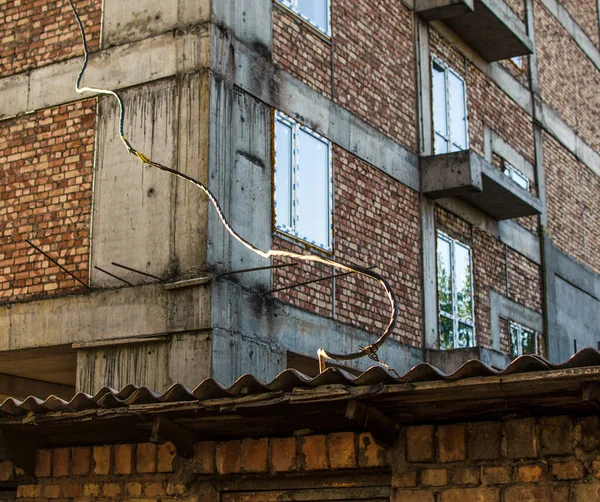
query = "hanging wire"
{"x": 370, "y": 350}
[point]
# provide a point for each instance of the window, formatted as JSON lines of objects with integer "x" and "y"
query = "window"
{"x": 303, "y": 192}
{"x": 518, "y": 62}
{"x": 517, "y": 176}
{"x": 522, "y": 340}
{"x": 455, "y": 294}
{"x": 316, "y": 12}
{"x": 449, "y": 110}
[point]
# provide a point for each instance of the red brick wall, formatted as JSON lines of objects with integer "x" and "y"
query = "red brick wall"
{"x": 550, "y": 459}
{"x": 568, "y": 79}
{"x": 155, "y": 472}
{"x": 573, "y": 193}
{"x": 300, "y": 51}
{"x": 585, "y": 13}
{"x": 376, "y": 223}
{"x": 495, "y": 267}
{"x": 487, "y": 105}
{"x": 46, "y": 179}
{"x": 374, "y": 65}
{"x": 518, "y": 7}
{"x": 373, "y": 61}
{"x": 34, "y": 33}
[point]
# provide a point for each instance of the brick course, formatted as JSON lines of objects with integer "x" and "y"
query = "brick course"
{"x": 34, "y": 33}
{"x": 46, "y": 181}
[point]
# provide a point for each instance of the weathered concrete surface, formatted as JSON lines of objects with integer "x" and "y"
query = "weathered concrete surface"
{"x": 450, "y": 360}
{"x": 122, "y": 23}
{"x": 161, "y": 220}
{"x": 493, "y": 30}
{"x": 108, "y": 314}
{"x": 432, "y": 10}
{"x": 156, "y": 365}
{"x": 48, "y": 364}
{"x": 572, "y": 303}
{"x": 450, "y": 175}
{"x": 270, "y": 328}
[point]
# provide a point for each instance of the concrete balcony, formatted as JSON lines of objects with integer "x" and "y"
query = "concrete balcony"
{"x": 489, "y": 26}
{"x": 468, "y": 176}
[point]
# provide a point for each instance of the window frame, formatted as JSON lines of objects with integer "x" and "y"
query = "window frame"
{"x": 520, "y": 328}
{"x": 511, "y": 172}
{"x": 456, "y": 319}
{"x": 292, "y": 5}
{"x": 447, "y": 137}
{"x": 295, "y": 176}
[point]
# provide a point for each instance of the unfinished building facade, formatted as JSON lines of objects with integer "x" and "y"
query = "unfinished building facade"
{"x": 451, "y": 145}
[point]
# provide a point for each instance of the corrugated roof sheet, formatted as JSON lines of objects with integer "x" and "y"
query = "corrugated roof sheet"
{"x": 286, "y": 381}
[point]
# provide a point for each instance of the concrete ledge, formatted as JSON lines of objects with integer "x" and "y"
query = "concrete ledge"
{"x": 467, "y": 175}
{"x": 490, "y": 27}
{"x": 433, "y": 10}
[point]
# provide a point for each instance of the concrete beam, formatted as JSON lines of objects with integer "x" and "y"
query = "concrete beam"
{"x": 21, "y": 388}
{"x": 123, "y": 313}
{"x": 434, "y": 10}
{"x": 450, "y": 360}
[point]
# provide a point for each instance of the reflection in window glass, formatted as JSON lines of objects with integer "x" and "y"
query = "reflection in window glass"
{"x": 517, "y": 176}
{"x": 302, "y": 182}
{"x": 522, "y": 340}
{"x": 314, "y": 11}
{"x": 283, "y": 174}
{"x": 449, "y": 109}
{"x": 313, "y": 188}
{"x": 455, "y": 293}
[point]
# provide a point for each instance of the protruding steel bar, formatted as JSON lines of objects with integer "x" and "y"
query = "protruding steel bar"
{"x": 59, "y": 265}
{"x": 136, "y": 271}
{"x": 113, "y": 275}
{"x": 244, "y": 270}
{"x": 334, "y": 276}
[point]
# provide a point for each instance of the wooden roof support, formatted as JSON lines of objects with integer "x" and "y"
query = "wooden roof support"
{"x": 382, "y": 428}
{"x": 164, "y": 430}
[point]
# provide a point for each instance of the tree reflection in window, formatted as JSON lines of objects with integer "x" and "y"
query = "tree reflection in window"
{"x": 455, "y": 293}
{"x": 522, "y": 340}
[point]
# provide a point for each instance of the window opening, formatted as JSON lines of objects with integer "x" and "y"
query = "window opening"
{"x": 303, "y": 182}
{"x": 522, "y": 340}
{"x": 517, "y": 176}
{"x": 315, "y": 12}
{"x": 455, "y": 293}
{"x": 449, "y": 109}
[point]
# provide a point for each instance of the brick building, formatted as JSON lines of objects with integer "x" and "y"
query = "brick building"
{"x": 450, "y": 145}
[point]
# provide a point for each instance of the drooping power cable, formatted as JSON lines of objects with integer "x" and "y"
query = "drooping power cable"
{"x": 370, "y": 350}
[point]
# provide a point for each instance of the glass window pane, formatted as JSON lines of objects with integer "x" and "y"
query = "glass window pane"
{"x": 528, "y": 341}
{"x": 466, "y": 337}
{"x": 313, "y": 219}
{"x": 446, "y": 333}
{"x": 464, "y": 287}
{"x": 520, "y": 180}
{"x": 316, "y": 11}
{"x": 457, "y": 111}
{"x": 439, "y": 100}
{"x": 283, "y": 175}
{"x": 440, "y": 145}
{"x": 444, "y": 276}
{"x": 515, "y": 343}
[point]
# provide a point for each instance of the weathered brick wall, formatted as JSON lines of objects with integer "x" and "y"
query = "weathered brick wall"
{"x": 518, "y": 7}
{"x": 370, "y": 54}
{"x": 573, "y": 193}
{"x": 495, "y": 267}
{"x": 155, "y": 472}
{"x": 568, "y": 79}
{"x": 585, "y": 13}
{"x": 299, "y": 50}
{"x": 34, "y": 33}
{"x": 376, "y": 223}
{"x": 550, "y": 459}
{"x": 46, "y": 180}
{"x": 487, "y": 105}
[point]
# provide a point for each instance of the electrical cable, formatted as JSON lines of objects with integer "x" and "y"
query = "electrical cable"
{"x": 370, "y": 350}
